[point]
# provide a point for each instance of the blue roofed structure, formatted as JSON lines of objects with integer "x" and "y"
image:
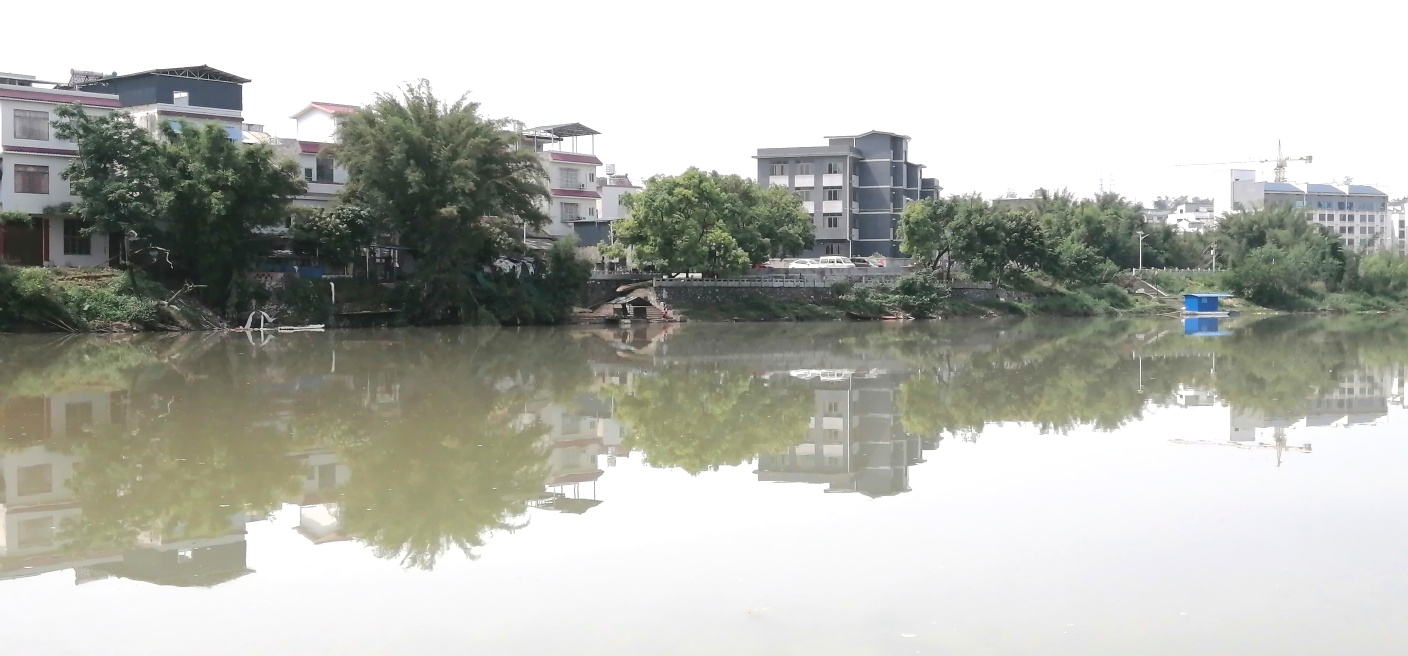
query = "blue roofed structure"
{"x": 1324, "y": 189}
{"x": 1283, "y": 188}
{"x": 1205, "y": 303}
{"x": 1364, "y": 190}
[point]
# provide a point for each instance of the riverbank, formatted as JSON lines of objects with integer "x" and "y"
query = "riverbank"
{"x": 34, "y": 299}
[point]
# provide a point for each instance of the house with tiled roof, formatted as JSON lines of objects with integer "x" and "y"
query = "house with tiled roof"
{"x": 315, "y": 131}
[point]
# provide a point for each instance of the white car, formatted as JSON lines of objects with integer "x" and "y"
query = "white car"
{"x": 804, "y": 263}
{"x": 837, "y": 262}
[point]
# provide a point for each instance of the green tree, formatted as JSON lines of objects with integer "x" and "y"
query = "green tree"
{"x": 335, "y": 234}
{"x": 116, "y": 176}
{"x": 712, "y": 223}
{"x": 442, "y": 175}
{"x": 215, "y": 194}
{"x": 925, "y": 229}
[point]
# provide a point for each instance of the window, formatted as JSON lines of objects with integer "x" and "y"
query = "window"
{"x": 833, "y": 194}
{"x": 833, "y": 435}
{"x": 324, "y": 169}
{"x": 31, "y": 179}
{"x": 570, "y": 212}
{"x": 308, "y": 174}
{"x": 833, "y": 409}
{"x": 1339, "y": 205}
{"x": 833, "y": 249}
{"x": 591, "y": 176}
{"x": 569, "y": 178}
{"x": 779, "y": 168}
{"x": 1350, "y": 242}
{"x": 77, "y": 416}
{"x": 75, "y": 242}
{"x": 833, "y": 220}
{"x": 833, "y": 168}
{"x": 31, "y": 125}
{"x": 35, "y": 479}
{"x": 805, "y": 168}
{"x": 804, "y": 194}
{"x": 37, "y": 532}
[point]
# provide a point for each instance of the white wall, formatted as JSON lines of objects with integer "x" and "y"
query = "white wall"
{"x": 316, "y": 125}
{"x": 97, "y": 249}
{"x": 609, "y": 207}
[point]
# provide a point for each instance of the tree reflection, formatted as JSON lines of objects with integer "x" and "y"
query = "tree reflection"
{"x": 698, "y": 417}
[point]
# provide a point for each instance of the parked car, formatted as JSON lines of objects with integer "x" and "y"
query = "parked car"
{"x": 864, "y": 262}
{"x": 836, "y": 262}
{"x": 804, "y": 263}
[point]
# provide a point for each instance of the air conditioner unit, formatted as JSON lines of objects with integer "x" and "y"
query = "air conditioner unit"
{"x": 582, "y": 186}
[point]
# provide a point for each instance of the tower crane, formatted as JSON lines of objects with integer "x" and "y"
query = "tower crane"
{"x": 1281, "y": 161}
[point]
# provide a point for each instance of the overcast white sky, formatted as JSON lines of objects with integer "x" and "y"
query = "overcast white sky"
{"x": 996, "y": 95}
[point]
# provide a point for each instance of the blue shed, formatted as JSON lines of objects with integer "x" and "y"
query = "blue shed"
{"x": 1203, "y": 303}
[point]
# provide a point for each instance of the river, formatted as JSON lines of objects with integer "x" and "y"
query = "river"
{"x": 1142, "y": 486}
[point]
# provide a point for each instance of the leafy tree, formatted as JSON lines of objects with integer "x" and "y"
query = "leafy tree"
{"x": 925, "y": 229}
{"x": 215, "y": 194}
{"x": 441, "y": 173}
{"x": 117, "y": 175}
{"x": 334, "y": 234}
{"x": 712, "y": 223}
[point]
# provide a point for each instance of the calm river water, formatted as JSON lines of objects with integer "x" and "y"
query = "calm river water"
{"x": 1043, "y": 487}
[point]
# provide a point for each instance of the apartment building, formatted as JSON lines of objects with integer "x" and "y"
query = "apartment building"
{"x": 855, "y": 188}
{"x": 193, "y": 94}
{"x": 567, "y": 151}
{"x": 612, "y": 188}
{"x": 32, "y": 162}
{"x": 1358, "y": 214}
{"x": 315, "y": 130}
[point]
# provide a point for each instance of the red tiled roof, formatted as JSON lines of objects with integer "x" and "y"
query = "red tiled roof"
{"x": 574, "y": 157}
{"x": 46, "y": 96}
{"x": 576, "y": 193}
{"x": 310, "y": 147}
{"x": 40, "y": 151}
{"x": 335, "y": 108}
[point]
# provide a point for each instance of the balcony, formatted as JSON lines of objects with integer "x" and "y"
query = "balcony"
{"x": 809, "y": 206}
{"x": 778, "y": 181}
{"x": 580, "y": 192}
{"x": 804, "y": 181}
{"x": 832, "y": 180}
{"x": 832, "y": 206}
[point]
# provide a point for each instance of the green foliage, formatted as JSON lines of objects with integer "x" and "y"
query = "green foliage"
{"x": 335, "y": 235}
{"x": 921, "y": 294}
{"x": 544, "y": 295}
{"x": 14, "y": 216}
{"x": 434, "y": 170}
{"x": 30, "y": 295}
{"x": 711, "y": 223}
{"x": 701, "y": 417}
{"x": 1384, "y": 274}
{"x": 925, "y": 226}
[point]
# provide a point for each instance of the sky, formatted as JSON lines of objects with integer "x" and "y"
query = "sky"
{"x": 997, "y": 96}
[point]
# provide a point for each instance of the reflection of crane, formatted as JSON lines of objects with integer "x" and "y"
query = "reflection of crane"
{"x": 1281, "y": 162}
{"x": 1278, "y": 443}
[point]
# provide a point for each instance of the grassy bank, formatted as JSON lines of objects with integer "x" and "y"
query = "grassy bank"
{"x": 91, "y": 300}
{"x": 924, "y": 296}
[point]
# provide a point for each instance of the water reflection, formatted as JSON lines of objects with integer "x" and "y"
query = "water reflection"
{"x": 147, "y": 458}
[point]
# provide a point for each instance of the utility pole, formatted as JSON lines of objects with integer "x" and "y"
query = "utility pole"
{"x": 1141, "y": 250}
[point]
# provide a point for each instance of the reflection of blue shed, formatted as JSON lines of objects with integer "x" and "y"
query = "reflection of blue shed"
{"x": 1202, "y": 327}
{"x": 1203, "y": 303}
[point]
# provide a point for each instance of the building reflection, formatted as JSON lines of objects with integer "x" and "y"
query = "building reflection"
{"x": 855, "y": 441}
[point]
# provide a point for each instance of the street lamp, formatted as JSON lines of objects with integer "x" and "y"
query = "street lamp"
{"x": 1141, "y": 250}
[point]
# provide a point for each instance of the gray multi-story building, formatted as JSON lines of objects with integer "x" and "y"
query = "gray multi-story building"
{"x": 854, "y": 187}
{"x": 1357, "y": 214}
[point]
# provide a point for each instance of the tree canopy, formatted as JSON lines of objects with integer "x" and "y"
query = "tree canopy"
{"x": 712, "y": 223}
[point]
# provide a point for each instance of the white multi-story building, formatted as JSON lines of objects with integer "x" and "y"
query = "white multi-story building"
{"x": 1396, "y": 218}
{"x": 1357, "y": 214}
{"x": 32, "y": 162}
{"x": 315, "y": 130}
{"x": 1192, "y": 217}
{"x": 571, "y": 170}
{"x": 612, "y": 188}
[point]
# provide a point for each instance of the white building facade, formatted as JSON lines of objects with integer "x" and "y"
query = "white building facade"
{"x": 315, "y": 130}
{"x": 566, "y": 151}
{"x": 32, "y": 162}
{"x": 1357, "y": 214}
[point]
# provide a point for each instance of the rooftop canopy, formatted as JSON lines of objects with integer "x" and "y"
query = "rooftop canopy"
{"x": 866, "y": 134}
{"x": 201, "y": 72}
{"x": 563, "y": 130}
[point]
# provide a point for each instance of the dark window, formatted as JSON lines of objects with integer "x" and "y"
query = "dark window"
{"x": 75, "y": 242}
{"x": 805, "y": 168}
{"x": 833, "y": 220}
{"x": 37, "y": 532}
{"x": 833, "y": 194}
{"x": 31, "y": 179}
{"x": 35, "y": 479}
{"x": 804, "y": 194}
{"x": 833, "y": 168}
{"x": 779, "y": 169}
{"x": 31, "y": 125}
{"x": 1339, "y": 205}
{"x": 324, "y": 170}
